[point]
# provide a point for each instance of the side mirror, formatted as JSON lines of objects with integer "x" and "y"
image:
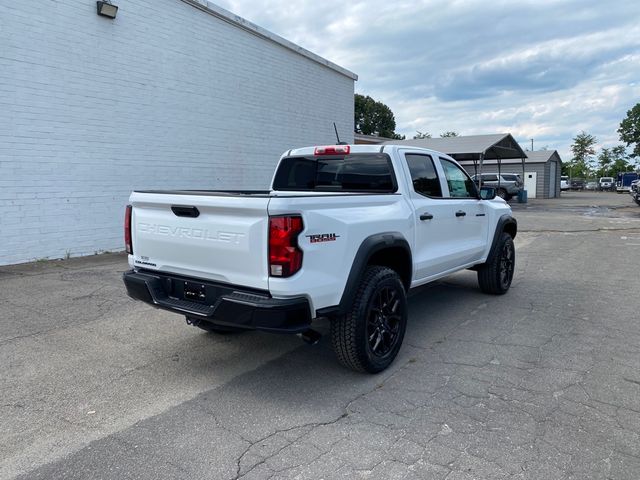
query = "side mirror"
{"x": 487, "y": 193}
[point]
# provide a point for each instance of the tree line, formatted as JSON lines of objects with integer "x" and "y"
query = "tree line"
{"x": 609, "y": 160}
{"x": 372, "y": 117}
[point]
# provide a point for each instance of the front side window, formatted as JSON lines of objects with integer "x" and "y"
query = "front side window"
{"x": 423, "y": 175}
{"x": 459, "y": 183}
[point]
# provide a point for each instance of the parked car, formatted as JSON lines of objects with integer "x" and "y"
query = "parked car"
{"x": 577, "y": 184}
{"x": 564, "y": 182}
{"x": 507, "y": 185}
{"x": 308, "y": 248}
{"x": 591, "y": 186}
{"x": 635, "y": 185}
{"x": 606, "y": 183}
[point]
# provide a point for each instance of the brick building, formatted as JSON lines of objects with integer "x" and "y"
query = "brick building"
{"x": 169, "y": 94}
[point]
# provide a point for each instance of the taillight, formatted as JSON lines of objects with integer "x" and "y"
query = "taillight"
{"x": 332, "y": 150}
{"x": 127, "y": 230}
{"x": 285, "y": 257}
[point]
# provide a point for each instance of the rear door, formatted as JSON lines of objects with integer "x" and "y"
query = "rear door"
{"x": 433, "y": 253}
{"x": 208, "y": 236}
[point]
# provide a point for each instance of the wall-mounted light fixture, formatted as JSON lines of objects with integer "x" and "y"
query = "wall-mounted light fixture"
{"x": 107, "y": 9}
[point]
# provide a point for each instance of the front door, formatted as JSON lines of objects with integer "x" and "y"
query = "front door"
{"x": 467, "y": 220}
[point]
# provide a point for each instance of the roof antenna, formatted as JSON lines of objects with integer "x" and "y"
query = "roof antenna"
{"x": 337, "y": 136}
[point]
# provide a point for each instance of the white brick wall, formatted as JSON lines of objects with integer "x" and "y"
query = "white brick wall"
{"x": 164, "y": 96}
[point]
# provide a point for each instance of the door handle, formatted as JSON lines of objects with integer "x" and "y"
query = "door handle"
{"x": 426, "y": 216}
{"x": 460, "y": 213}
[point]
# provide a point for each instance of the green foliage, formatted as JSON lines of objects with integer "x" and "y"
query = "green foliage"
{"x": 583, "y": 149}
{"x": 620, "y": 160}
{"x": 448, "y": 134}
{"x": 420, "y": 134}
{"x": 605, "y": 159}
{"x": 583, "y": 146}
{"x": 630, "y": 130}
{"x": 612, "y": 161}
{"x": 374, "y": 118}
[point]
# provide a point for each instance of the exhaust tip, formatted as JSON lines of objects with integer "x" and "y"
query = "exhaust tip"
{"x": 310, "y": 337}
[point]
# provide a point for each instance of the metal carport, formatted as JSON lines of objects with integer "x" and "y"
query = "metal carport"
{"x": 473, "y": 149}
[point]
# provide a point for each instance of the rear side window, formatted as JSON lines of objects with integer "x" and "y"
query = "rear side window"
{"x": 353, "y": 173}
{"x": 423, "y": 175}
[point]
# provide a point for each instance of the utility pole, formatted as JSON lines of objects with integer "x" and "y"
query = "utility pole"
{"x": 532, "y": 144}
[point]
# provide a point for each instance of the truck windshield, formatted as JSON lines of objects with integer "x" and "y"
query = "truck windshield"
{"x": 352, "y": 173}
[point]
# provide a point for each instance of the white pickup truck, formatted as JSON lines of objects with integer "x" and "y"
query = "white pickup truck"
{"x": 344, "y": 233}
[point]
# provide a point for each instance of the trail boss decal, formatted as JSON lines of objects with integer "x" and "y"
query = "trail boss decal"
{"x": 144, "y": 261}
{"x": 322, "y": 237}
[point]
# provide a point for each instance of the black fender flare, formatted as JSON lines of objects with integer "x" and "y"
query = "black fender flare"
{"x": 367, "y": 249}
{"x": 506, "y": 223}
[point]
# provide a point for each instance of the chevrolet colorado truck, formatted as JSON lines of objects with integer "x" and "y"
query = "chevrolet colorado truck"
{"x": 344, "y": 233}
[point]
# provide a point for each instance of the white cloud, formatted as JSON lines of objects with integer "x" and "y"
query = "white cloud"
{"x": 538, "y": 69}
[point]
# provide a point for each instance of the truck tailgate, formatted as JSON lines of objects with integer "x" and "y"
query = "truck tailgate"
{"x": 220, "y": 238}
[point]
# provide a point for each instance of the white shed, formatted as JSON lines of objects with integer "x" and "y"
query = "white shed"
{"x": 168, "y": 94}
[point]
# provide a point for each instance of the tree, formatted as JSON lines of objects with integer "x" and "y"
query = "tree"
{"x": 605, "y": 159}
{"x": 613, "y": 160}
{"x": 374, "y": 118}
{"x": 630, "y": 130}
{"x": 582, "y": 149}
{"x": 620, "y": 160}
{"x": 419, "y": 135}
{"x": 448, "y": 134}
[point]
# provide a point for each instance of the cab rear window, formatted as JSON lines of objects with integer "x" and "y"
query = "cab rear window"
{"x": 352, "y": 173}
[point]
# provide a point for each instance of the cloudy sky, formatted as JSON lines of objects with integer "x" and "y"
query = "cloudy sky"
{"x": 543, "y": 69}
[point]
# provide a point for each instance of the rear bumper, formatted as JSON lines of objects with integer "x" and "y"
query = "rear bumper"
{"x": 224, "y": 305}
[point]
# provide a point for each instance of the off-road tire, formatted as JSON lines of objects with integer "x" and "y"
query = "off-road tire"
{"x": 496, "y": 274}
{"x": 370, "y": 321}
{"x": 502, "y": 193}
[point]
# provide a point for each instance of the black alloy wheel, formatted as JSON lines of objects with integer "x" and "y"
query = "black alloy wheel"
{"x": 495, "y": 276}
{"x": 507, "y": 264}
{"x": 368, "y": 336}
{"x": 384, "y": 320}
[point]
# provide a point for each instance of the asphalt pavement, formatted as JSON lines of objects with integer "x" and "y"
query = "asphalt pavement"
{"x": 541, "y": 383}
